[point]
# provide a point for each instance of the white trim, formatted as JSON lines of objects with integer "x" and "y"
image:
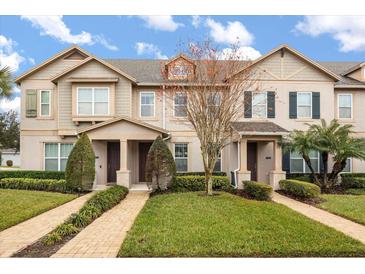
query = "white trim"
{"x": 49, "y": 103}
{"x": 258, "y": 92}
{"x": 92, "y": 101}
{"x": 140, "y": 103}
{"x": 304, "y": 163}
{"x": 187, "y": 158}
{"x": 311, "y": 104}
{"x": 338, "y": 106}
{"x": 178, "y": 105}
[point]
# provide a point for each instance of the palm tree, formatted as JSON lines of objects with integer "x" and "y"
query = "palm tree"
{"x": 301, "y": 142}
{"x": 6, "y": 81}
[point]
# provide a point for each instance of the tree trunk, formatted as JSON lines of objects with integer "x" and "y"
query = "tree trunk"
{"x": 309, "y": 164}
{"x": 325, "y": 170}
{"x": 336, "y": 169}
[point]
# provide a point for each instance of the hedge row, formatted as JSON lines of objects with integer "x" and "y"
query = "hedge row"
{"x": 93, "y": 208}
{"x": 215, "y": 173}
{"x": 355, "y": 191}
{"x": 34, "y": 184}
{"x": 353, "y": 180}
{"x": 258, "y": 191}
{"x": 300, "y": 189}
{"x": 34, "y": 174}
{"x": 197, "y": 183}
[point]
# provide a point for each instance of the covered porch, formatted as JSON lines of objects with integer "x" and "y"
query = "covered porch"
{"x": 121, "y": 146}
{"x": 259, "y": 153}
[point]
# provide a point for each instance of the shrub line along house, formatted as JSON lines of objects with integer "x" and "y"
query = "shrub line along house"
{"x": 117, "y": 103}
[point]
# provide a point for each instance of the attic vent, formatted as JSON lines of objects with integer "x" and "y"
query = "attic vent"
{"x": 76, "y": 55}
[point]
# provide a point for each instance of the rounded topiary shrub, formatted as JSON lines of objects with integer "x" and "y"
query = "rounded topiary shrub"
{"x": 300, "y": 189}
{"x": 80, "y": 168}
{"x": 258, "y": 191}
{"x": 9, "y": 163}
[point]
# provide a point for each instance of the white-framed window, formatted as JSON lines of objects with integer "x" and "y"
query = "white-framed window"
{"x": 56, "y": 155}
{"x": 298, "y": 165}
{"x": 45, "y": 103}
{"x": 304, "y": 104}
{"x": 180, "y": 101}
{"x": 218, "y": 163}
{"x": 181, "y": 157}
{"x": 147, "y": 101}
{"x": 348, "y": 167}
{"x": 344, "y": 106}
{"x": 93, "y": 101}
{"x": 259, "y": 105}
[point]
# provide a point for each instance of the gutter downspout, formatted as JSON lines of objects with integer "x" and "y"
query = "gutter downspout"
{"x": 239, "y": 164}
{"x": 163, "y": 108}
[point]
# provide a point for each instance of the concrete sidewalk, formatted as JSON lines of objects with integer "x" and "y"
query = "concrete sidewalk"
{"x": 352, "y": 229}
{"x": 21, "y": 235}
{"x": 103, "y": 237}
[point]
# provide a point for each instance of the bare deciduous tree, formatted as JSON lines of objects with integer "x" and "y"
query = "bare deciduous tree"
{"x": 211, "y": 87}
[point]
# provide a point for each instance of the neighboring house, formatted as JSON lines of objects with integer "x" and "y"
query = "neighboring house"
{"x": 10, "y": 154}
{"x": 121, "y": 105}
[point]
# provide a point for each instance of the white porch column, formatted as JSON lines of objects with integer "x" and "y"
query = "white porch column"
{"x": 277, "y": 174}
{"x": 243, "y": 174}
{"x": 124, "y": 175}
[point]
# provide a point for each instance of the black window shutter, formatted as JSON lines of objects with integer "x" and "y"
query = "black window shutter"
{"x": 292, "y": 105}
{"x": 248, "y": 104}
{"x": 316, "y": 105}
{"x": 286, "y": 162}
{"x": 270, "y": 104}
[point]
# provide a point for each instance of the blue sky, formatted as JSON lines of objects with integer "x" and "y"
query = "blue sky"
{"x": 25, "y": 41}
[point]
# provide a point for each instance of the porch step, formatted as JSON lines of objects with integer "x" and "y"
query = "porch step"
{"x": 139, "y": 187}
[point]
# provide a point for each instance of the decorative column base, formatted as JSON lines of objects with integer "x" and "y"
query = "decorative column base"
{"x": 124, "y": 178}
{"x": 275, "y": 177}
{"x": 243, "y": 176}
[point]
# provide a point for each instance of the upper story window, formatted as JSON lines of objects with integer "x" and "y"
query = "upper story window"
{"x": 304, "y": 104}
{"x": 259, "y": 105}
{"x": 180, "y": 101}
{"x": 180, "y": 70}
{"x": 181, "y": 157}
{"x": 93, "y": 101}
{"x": 45, "y": 103}
{"x": 298, "y": 165}
{"x": 345, "y": 106}
{"x": 147, "y": 100}
{"x": 56, "y": 156}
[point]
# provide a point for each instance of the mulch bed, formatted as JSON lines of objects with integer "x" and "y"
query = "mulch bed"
{"x": 313, "y": 201}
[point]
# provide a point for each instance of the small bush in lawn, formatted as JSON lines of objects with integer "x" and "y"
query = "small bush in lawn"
{"x": 93, "y": 208}
{"x": 34, "y": 184}
{"x": 9, "y": 163}
{"x": 34, "y": 174}
{"x": 197, "y": 183}
{"x": 160, "y": 165}
{"x": 300, "y": 189}
{"x": 80, "y": 168}
{"x": 355, "y": 191}
{"x": 258, "y": 191}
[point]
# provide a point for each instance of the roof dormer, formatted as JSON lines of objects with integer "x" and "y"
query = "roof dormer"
{"x": 357, "y": 72}
{"x": 180, "y": 67}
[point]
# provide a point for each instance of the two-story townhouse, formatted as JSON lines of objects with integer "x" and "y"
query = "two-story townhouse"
{"x": 121, "y": 105}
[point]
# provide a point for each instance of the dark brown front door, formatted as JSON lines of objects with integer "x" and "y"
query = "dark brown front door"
{"x": 143, "y": 149}
{"x": 113, "y": 159}
{"x": 252, "y": 160}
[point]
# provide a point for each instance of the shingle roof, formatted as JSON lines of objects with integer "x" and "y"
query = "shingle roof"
{"x": 258, "y": 127}
{"x": 149, "y": 71}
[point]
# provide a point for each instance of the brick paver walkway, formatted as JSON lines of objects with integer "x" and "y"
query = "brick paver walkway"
{"x": 103, "y": 237}
{"x": 21, "y": 235}
{"x": 347, "y": 227}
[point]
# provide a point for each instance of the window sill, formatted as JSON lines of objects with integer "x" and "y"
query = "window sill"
{"x": 179, "y": 119}
{"x": 91, "y": 118}
{"x": 346, "y": 121}
{"x": 303, "y": 120}
{"x": 148, "y": 119}
{"x": 44, "y": 118}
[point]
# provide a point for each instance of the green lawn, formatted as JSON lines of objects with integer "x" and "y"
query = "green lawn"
{"x": 188, "y": 225}
{"x": 349, "y": 206}
{"x": 19, "y": 205}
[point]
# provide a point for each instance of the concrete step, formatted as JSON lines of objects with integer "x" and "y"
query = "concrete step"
{"x": 139, "y": 187}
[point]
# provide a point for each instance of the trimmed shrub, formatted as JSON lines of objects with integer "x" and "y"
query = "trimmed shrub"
{"x": 93, "y": 208}
{"x": 200, "y": 173}
{"x": 9, "y": 163}
{"x": 34, "y": 184}
{"x": 80, "y": 168}
{"x": 35, "y": 174}
{"x": 197, "y": 183}
{"x": 300, "y": 189}
{"x": 160, "y": 165}
{"x": 258, "y": 191}
{"x": 300, "y": 177}
{"x": 354, "y": 180}
{"x": 355, "y": 191}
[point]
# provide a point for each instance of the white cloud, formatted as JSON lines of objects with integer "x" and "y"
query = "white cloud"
{"x": 11, "y": 104}
{"x": 241, "y": 53}
{"x": 349, "y": 31}
{"x": 161, "y": 22}
{"x": 31, "y": 60}
{"x": 8, "y": 56}
{"x": 234, "y": 33}
{"x": 195, "y": 21}
{"x": 149, "y": 49}
{"x": 55, "y": 27}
